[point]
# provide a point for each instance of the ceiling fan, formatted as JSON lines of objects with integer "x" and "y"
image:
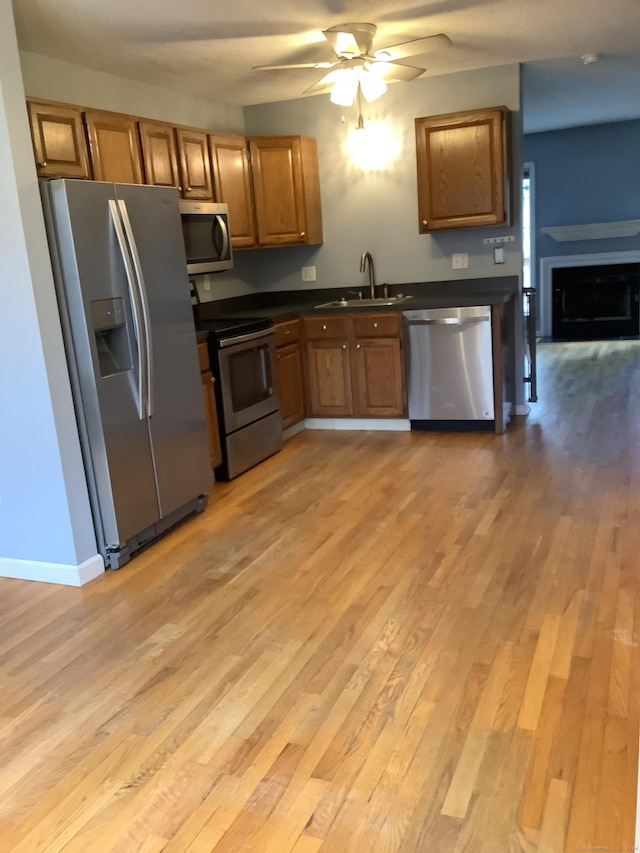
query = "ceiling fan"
{"x": 358, "y": 68}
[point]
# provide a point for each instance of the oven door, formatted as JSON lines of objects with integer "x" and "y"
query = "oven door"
{"x": 247, "y": 379}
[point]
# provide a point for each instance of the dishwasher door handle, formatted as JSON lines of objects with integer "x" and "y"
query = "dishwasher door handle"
{"x": 448, "y": 321}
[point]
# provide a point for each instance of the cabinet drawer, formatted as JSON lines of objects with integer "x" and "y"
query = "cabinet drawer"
{"x": 287, "y": 333}
{"x": 316, "y": 328}
{"x": 385, "y": 325}
{"x": 203, "y": 356}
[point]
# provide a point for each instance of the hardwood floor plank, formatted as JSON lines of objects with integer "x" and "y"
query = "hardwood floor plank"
{"x": 373, "y": 641}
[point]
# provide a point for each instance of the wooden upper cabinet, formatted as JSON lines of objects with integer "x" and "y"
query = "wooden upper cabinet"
{"x": 286, "y": 190}
{"x": 59, "y": 141}
{"x": 195, "y": 165}
{"x": 232, "y": 184}
{"x": 159, "y": 154}
{"x": 115, "y": 147}
{"x": 462, "y": 170}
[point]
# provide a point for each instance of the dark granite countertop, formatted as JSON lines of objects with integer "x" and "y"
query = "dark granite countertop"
{"x": 284, "y": 305}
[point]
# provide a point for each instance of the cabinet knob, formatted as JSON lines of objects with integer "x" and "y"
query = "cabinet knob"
{"x": 188, "y": 189}
{"x": 288, "y": 332}
{"x": 324, "y": 327}
{"x": 425, "y": 223}
{"x": 43, "y": 165}
{"x": 344, "y": 346}
{"x": 357, "y": 346}
{"x": 302, "y": 233}
{"x": 375, "y": 325}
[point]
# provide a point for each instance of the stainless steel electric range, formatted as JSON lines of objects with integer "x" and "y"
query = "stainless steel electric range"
{"x": 243, "y": 360}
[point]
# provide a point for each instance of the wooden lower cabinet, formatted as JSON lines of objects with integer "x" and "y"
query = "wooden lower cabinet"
{"x": 379, "y": 387}
{"x": 209, "y": 400}
{"x": 354, "y": 366}
{"x": 289, "y": 365}
{"x": 328, "y": 373}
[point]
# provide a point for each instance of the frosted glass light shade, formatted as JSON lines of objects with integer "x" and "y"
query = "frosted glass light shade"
{"x": 372, "y": 86}
{"x": 345, "y": 88}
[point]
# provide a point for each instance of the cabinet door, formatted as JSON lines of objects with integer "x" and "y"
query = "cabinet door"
{"x": 462, "y": 170}
{"x": 328, "y": 375}
{"x": 115, "y": 149}
{"x": 290, "y": 387}
{"x": 159, "y": 154}
{"x": 379, "y": 378}
{"x": 59, "y": 141}
{"x": 195, "y": 165}
{"x": 232, "y": 184}
{"x": 286, "y": 190}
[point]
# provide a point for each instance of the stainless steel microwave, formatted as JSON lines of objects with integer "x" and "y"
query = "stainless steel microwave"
{"x": 207, "y": 242}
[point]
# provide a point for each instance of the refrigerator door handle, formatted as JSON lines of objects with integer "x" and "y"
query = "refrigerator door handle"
{"x": 142, "y": 290}
{"x": 135, "y": 304}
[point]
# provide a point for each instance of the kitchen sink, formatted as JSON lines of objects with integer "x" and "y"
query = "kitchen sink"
{"x": 364, "y": 303}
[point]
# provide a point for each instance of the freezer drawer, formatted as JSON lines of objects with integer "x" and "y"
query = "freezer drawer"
{"x": 449, "y": 367}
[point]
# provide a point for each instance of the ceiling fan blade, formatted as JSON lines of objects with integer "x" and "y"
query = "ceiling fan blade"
{"x": 297, "y": 65}
{"x": 350, "y": 39}
{"x": 324, "y": 84}
{"x": 415, "y": 47}
{"x": 397, "y": 71}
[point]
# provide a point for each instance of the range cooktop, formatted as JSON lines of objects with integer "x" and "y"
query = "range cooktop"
{"x": 224, "y": 328}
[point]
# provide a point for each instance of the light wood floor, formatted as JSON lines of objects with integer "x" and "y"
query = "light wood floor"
{"x": 372, "y": 642}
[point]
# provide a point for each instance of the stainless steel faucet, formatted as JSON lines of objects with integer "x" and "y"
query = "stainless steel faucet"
{"x": 366, "y": 256}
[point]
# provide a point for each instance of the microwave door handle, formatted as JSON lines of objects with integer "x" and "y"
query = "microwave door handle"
{"x": 135, "y": 303}
{"x": 142, "y": 290}
{"x": 225, "y": 236}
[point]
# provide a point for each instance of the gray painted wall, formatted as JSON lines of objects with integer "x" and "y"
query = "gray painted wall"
{"x": 585, "y": 175}
{"x": 44, "y": 508}
{"x": 56, "y": 80}
{"x": 378, "y": 210}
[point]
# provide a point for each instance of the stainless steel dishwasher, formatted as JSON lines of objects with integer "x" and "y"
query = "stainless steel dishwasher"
{"x": 450, "y": 368}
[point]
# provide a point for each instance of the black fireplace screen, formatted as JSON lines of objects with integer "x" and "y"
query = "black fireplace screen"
{"x": 595, "y": 302}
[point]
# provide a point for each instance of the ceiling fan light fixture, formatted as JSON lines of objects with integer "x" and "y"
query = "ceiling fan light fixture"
{"x": 372, "y": 85}
{"x": 345, "y": 88}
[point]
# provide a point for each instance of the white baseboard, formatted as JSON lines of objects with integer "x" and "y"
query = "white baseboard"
{"x": 30, "y": 570}
{"x": 292, "y": 430}
{"x": 389, "y": 424}
{"x": 520, "y": 409}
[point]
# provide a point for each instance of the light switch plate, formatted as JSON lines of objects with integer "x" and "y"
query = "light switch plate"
{"x": 460, "y": 261}
{"x": 308, "y": 273}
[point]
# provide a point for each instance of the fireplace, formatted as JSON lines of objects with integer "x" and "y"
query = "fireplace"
{"x": 592, "y": 302}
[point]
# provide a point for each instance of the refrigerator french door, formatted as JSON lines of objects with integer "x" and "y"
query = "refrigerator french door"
{"x": 120, "y": 271}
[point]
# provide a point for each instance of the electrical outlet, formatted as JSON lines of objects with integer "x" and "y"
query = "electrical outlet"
{"x": 460, "y": 261}
{"x": 498, "y": 255}
{"x": 490, "y": 241}
{"x": 308, "y": 273}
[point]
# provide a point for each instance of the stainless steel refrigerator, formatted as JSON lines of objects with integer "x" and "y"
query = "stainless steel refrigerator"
{"x": 125, "y": 306}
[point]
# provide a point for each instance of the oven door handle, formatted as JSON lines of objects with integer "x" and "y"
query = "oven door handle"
{"x": 249, "y": 336}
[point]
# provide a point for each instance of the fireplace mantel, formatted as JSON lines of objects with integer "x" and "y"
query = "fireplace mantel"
{"x": 547, "y": 265}
{"x": 593, "y": 230}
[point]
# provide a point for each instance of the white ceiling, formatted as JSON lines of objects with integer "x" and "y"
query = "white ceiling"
{"x": 209, "y": 47}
